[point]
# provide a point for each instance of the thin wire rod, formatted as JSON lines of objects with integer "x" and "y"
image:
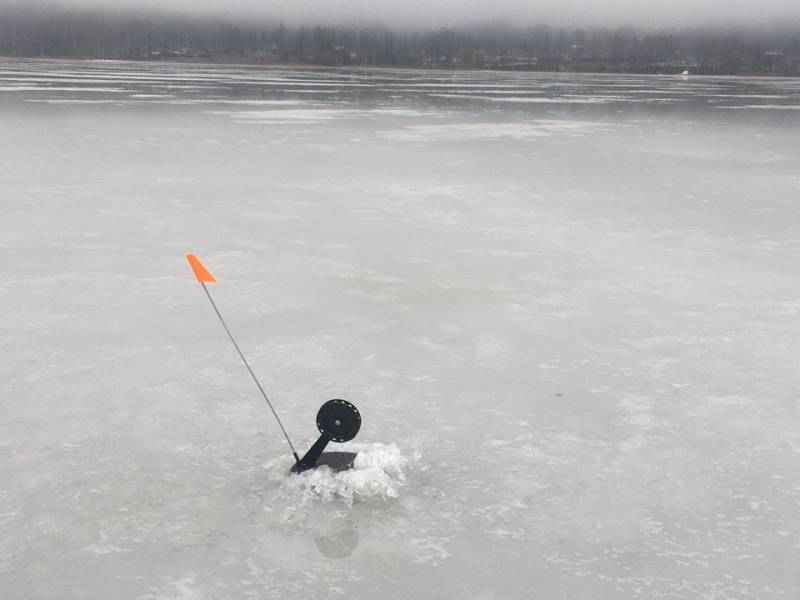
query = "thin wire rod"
{"x": 253, "y": 375}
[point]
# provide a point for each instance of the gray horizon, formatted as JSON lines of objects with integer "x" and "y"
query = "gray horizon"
{"x": 420, "y": 14}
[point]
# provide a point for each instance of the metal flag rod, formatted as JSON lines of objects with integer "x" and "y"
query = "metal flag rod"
{"x": 203, "y": 276}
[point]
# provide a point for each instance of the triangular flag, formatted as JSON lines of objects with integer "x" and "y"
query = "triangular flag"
{"x": 202, "y": 274}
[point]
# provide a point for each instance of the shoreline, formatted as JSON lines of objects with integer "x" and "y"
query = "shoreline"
{"x": 307, "y": 66}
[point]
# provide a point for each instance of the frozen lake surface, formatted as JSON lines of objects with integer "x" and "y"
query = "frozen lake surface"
{"x": 567, "y": 307}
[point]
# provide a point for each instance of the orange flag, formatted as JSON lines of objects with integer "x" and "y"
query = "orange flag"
{"x": 202, "y": 274}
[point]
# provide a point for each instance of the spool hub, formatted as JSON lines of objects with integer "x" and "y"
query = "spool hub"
{"x": 339, "y": 420}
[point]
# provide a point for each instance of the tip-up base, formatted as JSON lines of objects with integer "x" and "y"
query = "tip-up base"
{"x": 336, "y": 461}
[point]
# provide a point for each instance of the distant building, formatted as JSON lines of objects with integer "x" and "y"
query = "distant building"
{"x": 774, "y": 61}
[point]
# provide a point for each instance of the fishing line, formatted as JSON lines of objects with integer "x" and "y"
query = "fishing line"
{"x": 203, "y": 275}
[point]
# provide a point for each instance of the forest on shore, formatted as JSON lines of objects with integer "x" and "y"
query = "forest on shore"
{"x": 36, "y": 30}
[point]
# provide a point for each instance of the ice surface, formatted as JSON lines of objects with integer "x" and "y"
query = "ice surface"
{"x": 571, "y": 329}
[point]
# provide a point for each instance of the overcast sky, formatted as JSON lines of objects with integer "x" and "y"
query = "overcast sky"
{"x": 651, "y": 13}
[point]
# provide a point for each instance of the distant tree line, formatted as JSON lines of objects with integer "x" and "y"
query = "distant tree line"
{"x": 37, "y": 30}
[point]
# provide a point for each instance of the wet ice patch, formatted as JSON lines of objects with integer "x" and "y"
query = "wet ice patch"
{"x": 458, "y": 132}
{"x": 310, "y": 115}
{"x": 287, "y": 117}
{"x": 73, "y": 101}
{"x": 400, "y": 112}
{"x": 243, "y": 102}
{"x": 763, "y": 107}
{"x": 379, "y": 472}
{"x": 534, "y": 99}
{"x": 43, "y": 88}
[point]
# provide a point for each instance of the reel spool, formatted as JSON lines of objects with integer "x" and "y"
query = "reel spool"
{"x": 338, "y": 421}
